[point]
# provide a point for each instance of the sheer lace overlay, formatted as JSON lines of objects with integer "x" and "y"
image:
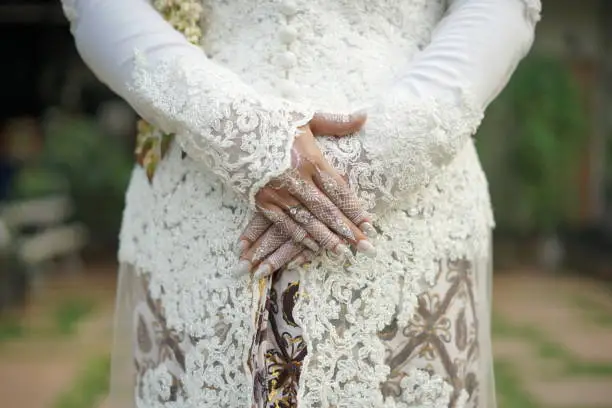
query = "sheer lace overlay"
{"x": 425, "y": 69}
{"x": 185, "y": 230}
{"x": 217, "y": 120}
{"x": 387, "y": 168}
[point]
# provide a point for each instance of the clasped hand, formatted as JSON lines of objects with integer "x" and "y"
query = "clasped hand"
{"x": 307, "y": 209}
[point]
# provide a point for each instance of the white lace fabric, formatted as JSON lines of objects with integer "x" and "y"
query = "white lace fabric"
{"x": 425, "y": 79}
{"x": 219, "y": 121}
{"x": 387, "y": 172}
{"x": 242, "y": 136}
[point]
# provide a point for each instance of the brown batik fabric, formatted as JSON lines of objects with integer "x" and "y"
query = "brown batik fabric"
{"x": 278, "y": 349}
{"x": 156, "y": 343}
{"x": 442, "y": 338}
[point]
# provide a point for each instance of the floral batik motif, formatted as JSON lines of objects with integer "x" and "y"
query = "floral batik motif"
{"x": 278, "y": 349}
{"x": 441, "y": 340}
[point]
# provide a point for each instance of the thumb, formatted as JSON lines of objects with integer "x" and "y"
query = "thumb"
{"x": 334, "y": 124}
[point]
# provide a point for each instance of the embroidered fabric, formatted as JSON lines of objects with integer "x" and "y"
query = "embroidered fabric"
{"x": 426, "y": 79}
{"x": 381, "y": 170}
{"x": 244, "y": 139}
{"x": 242, "y": 136}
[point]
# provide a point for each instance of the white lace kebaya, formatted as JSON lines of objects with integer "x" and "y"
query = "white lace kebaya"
{"x": 423, "y": 69}
{"x": 220, "y": 121}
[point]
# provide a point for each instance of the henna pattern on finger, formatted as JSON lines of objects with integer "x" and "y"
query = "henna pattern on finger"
{"x": 270, "y": 242}
{"x": 318, "y": 204}
{"x": 278, "y": 259}
{"x": 290, "y": 227}
{"x": 283, "y": 222}
{"x": 319, "y": 231}
{"x": 257, "y": 226}
{"x": 342, "y": 195}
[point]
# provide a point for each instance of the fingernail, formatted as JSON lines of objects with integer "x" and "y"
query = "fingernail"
{"x": 368, "y": 229}
{"x": 263, "y": 271}
{"x": 310, "y": 244}
{"x": 343, "y": 251}
{"x": 366, "y": 248}
{"x": 360, "y": 112}
{"x": 241, "y": 246}
{"x": 243, "y": 267}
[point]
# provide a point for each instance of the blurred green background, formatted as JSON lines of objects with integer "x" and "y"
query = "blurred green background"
{"x": 546, "y": 146}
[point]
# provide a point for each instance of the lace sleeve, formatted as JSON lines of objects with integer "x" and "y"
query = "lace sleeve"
{"x": 240, "y": 135}
{"x": 420, "y": 123}
{"x": 243, "y": 138}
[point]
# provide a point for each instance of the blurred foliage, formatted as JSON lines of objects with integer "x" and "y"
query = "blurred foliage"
{"x": 90, "y": 386}
{"x": 37, "y": 181}
{"x": 508, "y": 385}
{"x": 10, "y": 329}
{"x": 550, "y": 349}
{"x": 70, "y": 313}
{"x": 608, "y": 171}
{"x": 593, "y": 311}
{"x": 532, "y": 144}
{"x": 63, "y": 321}
{"x": 94, "y": 169}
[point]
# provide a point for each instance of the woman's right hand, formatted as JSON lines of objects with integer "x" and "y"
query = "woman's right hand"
{"x": 308, "y": 207}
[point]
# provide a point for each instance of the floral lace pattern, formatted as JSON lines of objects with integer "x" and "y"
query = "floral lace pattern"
{"x": 152, "y": 144}
{"x": 244, "y": 140}
{"x": 179, "y": 231}
{"x": 387, "y": 171}
{"x": 190, "y": 266}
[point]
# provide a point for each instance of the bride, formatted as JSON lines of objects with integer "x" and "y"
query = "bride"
{"x": 310, "y": 224}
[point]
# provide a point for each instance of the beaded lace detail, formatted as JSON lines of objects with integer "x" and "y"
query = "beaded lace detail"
{"x": 420, "y": 174}
{"x": 218, "y": 121}
{"x": 387, "y": 170}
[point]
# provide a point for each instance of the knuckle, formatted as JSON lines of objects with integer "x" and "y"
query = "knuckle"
{"x": 332, "y": 241}
{"x": 306, "y": 163}
{"x": 260, "y": 196}
{"x": 284, "y": 196}
{"x": 266, "y": 195}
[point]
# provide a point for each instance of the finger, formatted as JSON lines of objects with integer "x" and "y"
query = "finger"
{"x": 319, "y": 205}
{"x": 278, "y": 259}
{"x": 288, "y": 225}
{"x": 326, "y": 211}
{"x": 317, "y": 230}
{"x": 293, "y": 208}
{"x": 335, "y": 124}
{"x": 255, "y": 228}
{"x": 340, "y": 193}
{"x": 270, "y": 241}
